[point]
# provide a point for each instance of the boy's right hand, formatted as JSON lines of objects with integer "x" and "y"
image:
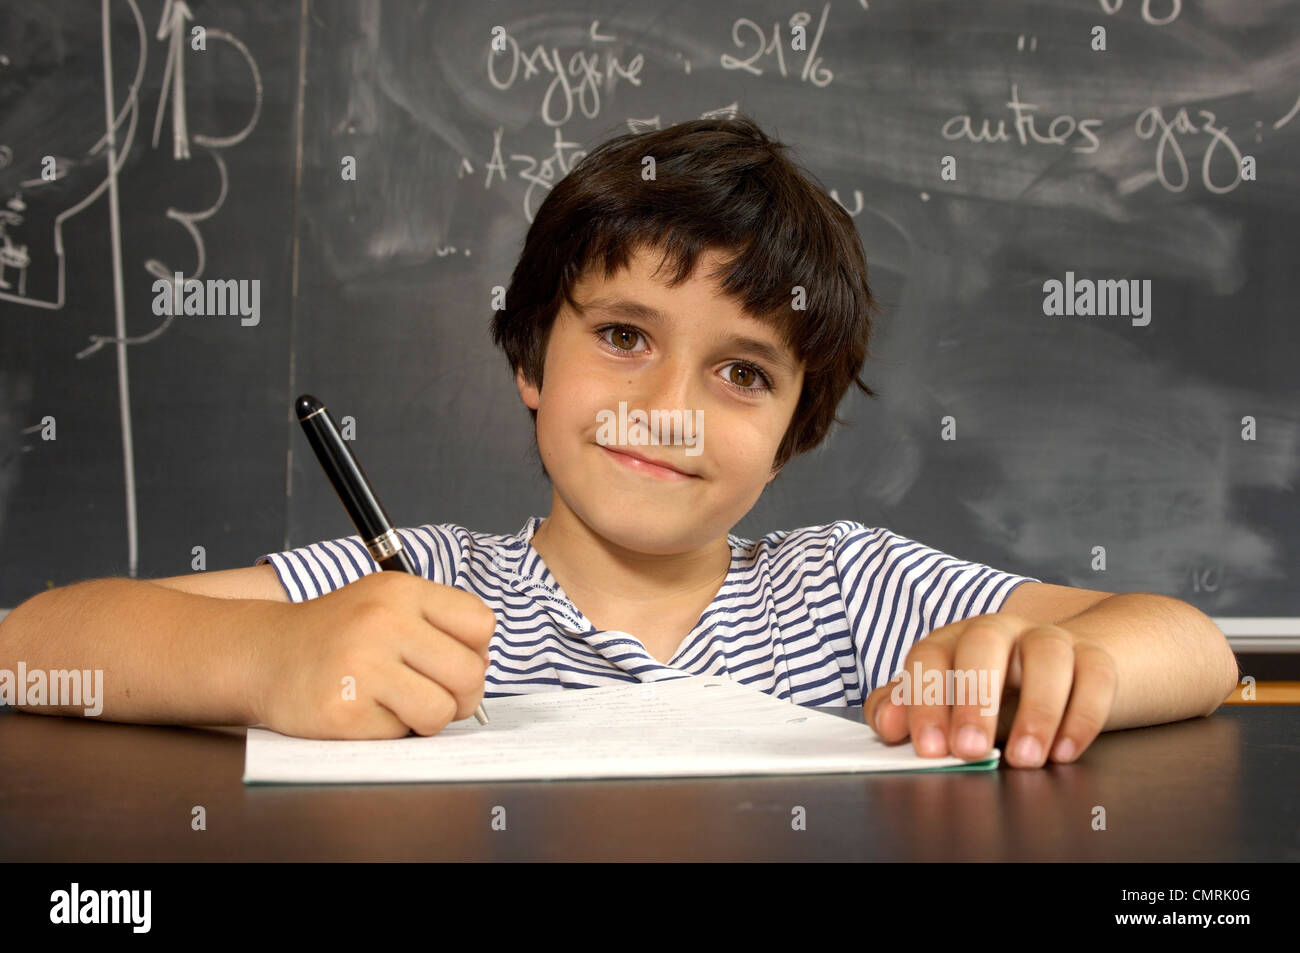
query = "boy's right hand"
{"x": 382, "y": 656}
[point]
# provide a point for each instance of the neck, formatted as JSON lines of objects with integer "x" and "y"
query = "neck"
{"x": 590, "y": 567}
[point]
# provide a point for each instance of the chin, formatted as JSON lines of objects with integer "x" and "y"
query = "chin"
{"x": 648, "y": 530}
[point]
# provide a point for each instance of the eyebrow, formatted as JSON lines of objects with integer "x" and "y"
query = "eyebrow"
{"x": 636, "y": 310}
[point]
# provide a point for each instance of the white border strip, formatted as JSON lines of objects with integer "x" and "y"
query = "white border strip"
{"x": 1247, "y": 634}
{"x": 1244, "y": 633}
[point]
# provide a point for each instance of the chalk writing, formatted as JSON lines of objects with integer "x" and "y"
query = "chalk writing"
{"x": 540, "y": 172}
{"x": 812, "y": 70}
{"x": 577, "y": 83}
{"x": 1058, "y": 132}
{"x": 1175, "y": 7}
{"x": 1152, "y": 123}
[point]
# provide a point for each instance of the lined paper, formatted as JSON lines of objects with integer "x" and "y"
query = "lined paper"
{"x": 695, "y": 726}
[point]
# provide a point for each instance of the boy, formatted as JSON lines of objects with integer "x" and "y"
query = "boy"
{"x": 726, "y": 292}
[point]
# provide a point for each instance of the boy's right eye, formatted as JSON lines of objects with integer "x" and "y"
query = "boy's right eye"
{"x": 622, "y": 333}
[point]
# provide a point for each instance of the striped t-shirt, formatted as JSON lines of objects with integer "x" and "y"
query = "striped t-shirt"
{"x": 818, "y": 616}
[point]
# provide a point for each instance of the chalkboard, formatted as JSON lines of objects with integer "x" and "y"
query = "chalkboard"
{"x": 1143, "y": 150}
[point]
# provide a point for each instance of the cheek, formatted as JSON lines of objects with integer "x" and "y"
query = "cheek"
{"x": 740, "y": 442}
{"x": 560, "y": 378}
{"x": 571, "y": 405}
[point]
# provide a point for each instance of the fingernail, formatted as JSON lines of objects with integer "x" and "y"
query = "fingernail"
{"x": 970, "y": 740}
{"x": 1064, "y": 750}
{"x": 931, "y": 741}
{"x": 1029, "y": 751}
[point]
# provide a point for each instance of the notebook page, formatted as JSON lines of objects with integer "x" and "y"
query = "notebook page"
{"x": 696, "y": 726}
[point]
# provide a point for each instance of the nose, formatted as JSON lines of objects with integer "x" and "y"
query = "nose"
{"x": 668, "y": 385}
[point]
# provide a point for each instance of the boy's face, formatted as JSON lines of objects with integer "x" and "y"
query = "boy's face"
{"x": 692, "y": 360}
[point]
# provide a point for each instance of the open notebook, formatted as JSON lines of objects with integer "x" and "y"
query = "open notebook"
{"x": 695, "y": 726}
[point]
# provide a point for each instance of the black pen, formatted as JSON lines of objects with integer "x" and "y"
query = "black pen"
{"x": 354, "y": 490}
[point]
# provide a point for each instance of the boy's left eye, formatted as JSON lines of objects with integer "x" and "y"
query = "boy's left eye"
{"x": 751, "y": 378}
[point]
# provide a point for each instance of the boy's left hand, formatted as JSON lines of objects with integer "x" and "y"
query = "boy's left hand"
{"x": 1059, "y": 687}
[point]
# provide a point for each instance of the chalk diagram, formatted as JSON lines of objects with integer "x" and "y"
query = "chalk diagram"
{"x": 113, "y": 148}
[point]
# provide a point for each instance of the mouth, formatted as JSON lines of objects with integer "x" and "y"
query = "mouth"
{"x": 651, "y": 468}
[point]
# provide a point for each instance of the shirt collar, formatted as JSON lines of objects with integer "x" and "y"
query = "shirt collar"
{"x": 524, "y": 570}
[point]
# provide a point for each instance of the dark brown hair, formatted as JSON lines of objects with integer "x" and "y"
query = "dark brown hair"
{"x": 719, "y": 184}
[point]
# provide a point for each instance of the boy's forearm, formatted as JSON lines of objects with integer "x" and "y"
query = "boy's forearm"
{"x": 1172, "y": 660}
{"x": 167, "y": 657}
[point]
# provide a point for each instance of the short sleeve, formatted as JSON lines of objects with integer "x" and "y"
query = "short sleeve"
{"x": 896, "y": 591}
{"x": 311, "y": 571}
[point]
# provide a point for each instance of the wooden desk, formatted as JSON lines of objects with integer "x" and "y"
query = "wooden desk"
{"x": 1217, "y": 788}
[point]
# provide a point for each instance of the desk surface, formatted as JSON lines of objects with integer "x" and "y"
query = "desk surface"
{"x": 1209, "y": 789}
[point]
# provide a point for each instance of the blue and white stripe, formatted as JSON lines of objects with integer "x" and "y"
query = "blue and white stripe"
{"x": 819, "y": 616}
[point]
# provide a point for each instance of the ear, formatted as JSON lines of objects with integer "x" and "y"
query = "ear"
{"x": 775, "y": 472}
{"x": 529, "y": 393}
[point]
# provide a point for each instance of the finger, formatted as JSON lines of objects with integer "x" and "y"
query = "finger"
{"x": 441, "y": 657}
{"x": 462, "y": 615}
{"x": 927, "y": 709}
{"x": 885, "y": 718}
{"x": 369, "y": 721}
{"x": 420, "y": 702}
{"x": 1047, "y": 673}
{"x": 981, "y": 660}
{"x": 1093, "y": 695}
